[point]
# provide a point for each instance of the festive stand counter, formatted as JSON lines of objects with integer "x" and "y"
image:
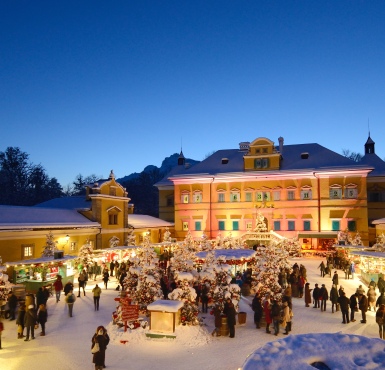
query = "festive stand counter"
{"x": 39, "y": 272}
{"x": 372, "y": 265}
{"x": 165, "y": 315}
{"x": 118, "y": 253}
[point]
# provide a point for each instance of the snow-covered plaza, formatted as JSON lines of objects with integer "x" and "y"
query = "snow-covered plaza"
{"x": 67, "y": 342}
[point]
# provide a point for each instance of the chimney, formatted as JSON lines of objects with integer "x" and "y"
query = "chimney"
{"x": 280, "y": 140}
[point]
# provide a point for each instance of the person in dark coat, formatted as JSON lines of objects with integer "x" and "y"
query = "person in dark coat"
{"x": 334, "y": 297}
{"x": 353, "y": 306}
{"x": 344, "y": 304}
{"x": 322, "y": 267}
{"x": 217, "y": 321}
{"x": 106, "y": 277}
{"x": 12, "y": 305}
{"x": 40, "y": 297}
{"x": 324, "y": 296}
{"x": 335, "y": 278}
{"x": 381, "y": 284}
{"x": 68, "y": 288}
{"x": 30, "y": 321}
{"x": 205, "y": 297}
{"x": 101, "y": 337}
{"x": 112, "y": 268}
{"x": 363, "y": 306}
{"x": 82, "y": 283}
{"x": 380, "y": 320}
{"x": 229, "y": 311}
{"x": 380, "y": 300}
{"x": 307, "y": 294}
{"x": 316, "y": 296}
{"x": 42, "y": 318}
{"x": 267, "y": 311}
{"x": 20, "y": 321}
{"x": 276, "y": 315}
{"x": 256, "y": 305}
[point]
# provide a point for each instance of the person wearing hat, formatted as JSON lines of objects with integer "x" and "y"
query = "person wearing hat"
{"x": 30, "y": 321}
{"x": 102, "y": 339}
{"x": 324, "y": 296}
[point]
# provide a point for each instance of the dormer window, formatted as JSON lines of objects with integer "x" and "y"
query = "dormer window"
{"x": 306, "y": 193}
{"x": 335, "y": 191}
{"x": 261, "y": 163}
{"x": 185, "y": 197}
{"x": 235, "y": 195}
{"x": 197, "y": 197}
{"x": 351, "y": 191}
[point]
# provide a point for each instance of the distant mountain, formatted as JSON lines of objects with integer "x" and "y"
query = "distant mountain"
{"x": 166, "y": 166}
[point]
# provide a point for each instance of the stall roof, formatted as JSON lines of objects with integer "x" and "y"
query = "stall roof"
{"x": 165, "y": 305}
{"x": 369, "y": 254}
{"x": 318, "y": 234}
{"x": 230, "y": 254}
{"x": 36, "y": 261}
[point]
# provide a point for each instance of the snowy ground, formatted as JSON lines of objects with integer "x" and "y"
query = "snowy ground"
{"x": 68, "y": 340}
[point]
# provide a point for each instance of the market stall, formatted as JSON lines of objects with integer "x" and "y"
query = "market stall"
{"x": 372, "y": 265}
{"x": 39, "y": 272}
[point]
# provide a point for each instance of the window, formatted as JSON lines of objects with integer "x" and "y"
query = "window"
{"x": 335, "y": 225}
{"x": 113, "y": 191}
{"x": 277, "y": 225}
{"x": 235, "y": 196}
{"x": 235, "y": 225}
{"x": 335, "y": 192}
{"x": 221, "y": 197}
{"x": 198, "y": 226}
{"x": 249, "y": 226}
{"x": 263, "y": 196}
{"x": 290, "y": 195}
{"x": 73, "y": 246}
{"x": 306, "y": 225}
{"x": 276, "y": 195}
{"x": 170, "y": 202}
{"x": 112, "y": 218}
{"x": 140, "y": 238}
{"x": 185, "y": 225}
{"x": 352, "y": 225}
{"x": 221, "y": 225}
{"x": 261, "y": 163}
{"x": 249, "y": 196}
{"x": 197, "y": 197}
{"x": 351, "y": 193}
{"x": 291, "y": 225}
{"x": 27, "y": 250}
{"x": 306, "y": 194}
{"x": 185, "y": 198}
{"x": 376, "y": 195}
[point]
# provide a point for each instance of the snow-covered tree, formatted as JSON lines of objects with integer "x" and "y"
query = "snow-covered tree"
{"x": 5, "y": 287}
{"x": 86, "y": 254}
{"x": 50, "y": 246}
{"x": 184, "y": 255}
{"x": 291, "y": 246}
{"x": 229, "y": 242}
{"x": 167, "y": 235}
{"x": 114, "y": 241}
{"x": 185, "y": 293}
{"x": 260, "y": 223}
{"x": 130, "y": 240}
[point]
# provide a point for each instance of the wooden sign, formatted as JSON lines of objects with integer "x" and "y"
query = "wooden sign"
{"x": 130, "y": 312}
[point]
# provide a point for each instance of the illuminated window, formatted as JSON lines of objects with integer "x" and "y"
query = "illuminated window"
{"x": 221, "y": 197}
{"x": 235, "y": 225}
{"x": 235, "y": 196}
{"x": 27, "y": 250}
{"x": 73, "y": 246}
{"x": 261, "y": 163}
{"x": 291, "y": 225}
{"x": 198, "y": 226}
{"x": 352, "y": 225}
{"x": 262, "y": 196}
{"x": 185, "y": 198}
{"x": 306, "y": 194}
{"x": 306, "y": 225}
{"x": 185, "y": 226}
{"x": 335, "y": 225}
{"x": 197, "y": 197}
{"x": 221, "y": 225}
{"x": 351, "y": 191}
{"x": 277, "y": 225}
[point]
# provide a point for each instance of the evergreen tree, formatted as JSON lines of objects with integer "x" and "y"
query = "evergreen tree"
{"x": 50, "y": 247}
{"x": 86, "y": 254}
{"x": 130, "y": 240}
{"x": 184, "y": 255}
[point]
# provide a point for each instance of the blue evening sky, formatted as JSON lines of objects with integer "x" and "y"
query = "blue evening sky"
{"x": 90, "y": 86}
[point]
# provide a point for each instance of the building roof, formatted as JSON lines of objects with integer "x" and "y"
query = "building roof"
{"x": 75, "y": 202}
{"x": 16, "y": 217}
{"x": 318, "y": 158}
{"x": 144, "y": 221}
{"x": 373, "y": 160}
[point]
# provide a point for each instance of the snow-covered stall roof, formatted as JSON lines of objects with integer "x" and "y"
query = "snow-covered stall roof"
{"x": 165, "y": 305}
{"x": 144, "y": 221}
{"x": 41, "y": 260}
{"x": 229, "y": 254}
{"x": 369, "y": 254}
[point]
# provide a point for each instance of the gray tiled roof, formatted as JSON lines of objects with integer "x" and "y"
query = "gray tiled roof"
{"x": 376, "y": 162}
{"x": 76, "y": 202}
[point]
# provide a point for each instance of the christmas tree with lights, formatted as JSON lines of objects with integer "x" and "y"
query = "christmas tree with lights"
{"x": 86, "y": 254}
{"x": 130, "y": 240}
{"x": 50, "y": 246}
{"x": 291, "y": 246}
{"x": 184, "y": 257}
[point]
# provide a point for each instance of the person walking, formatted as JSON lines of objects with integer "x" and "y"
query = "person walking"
{"x": 324, "y": 296}
{"x": 102, "y": 339}
{"x": 96, "y": 293}
{"x": 334, "y": 297}
{"x": 20, "y": 321}
{"x": 68, "y": 287}
{"x": 112, "y": 268}
{"x": 70, "y": 300}
{"x": 82, "y": 282}
{"x": 381, "y": 284}
{"x": 256, "y": 305}
{"x": 335, "y": 279}
{"x": 372, "y": 297}
{"x": 106, "y": 277}
{"x": 286, "y": 318}
{"x": 30, "y": 322}
{"x": 42, "y": 318}
{"x": 380, "y": 320}
{"x": 363, "y": 306}
{"x": 322, "y": 267}
{"x": 307, "y": 295}
{"x": 229, "y": 311}
{"x": 344, "y": 304}
{"x": 380, "y": 300}
{"x": 58, "y": 285}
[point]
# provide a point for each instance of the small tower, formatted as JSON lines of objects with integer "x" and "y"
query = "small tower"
{"x": 369, "y": 146}
{"x": 181, "y": 159}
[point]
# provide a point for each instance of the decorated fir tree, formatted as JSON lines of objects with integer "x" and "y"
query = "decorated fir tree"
{"x": 184, "y": 256}
{"x": 50, "y": 246}
{"x": 167, "y": 235}
{"x": 130, "y": 240}
{"x": 291, "y": 246}
{"x": 114, "y": 241}
{"x": 185, "y": 293}
{"x": 86, "y": 254}
{"x": 5, "y": 287}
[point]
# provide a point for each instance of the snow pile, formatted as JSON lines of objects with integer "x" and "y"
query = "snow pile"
{"x": 336, "y": 351}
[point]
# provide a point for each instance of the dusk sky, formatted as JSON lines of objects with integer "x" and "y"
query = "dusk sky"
{"x": 90, "y": 86}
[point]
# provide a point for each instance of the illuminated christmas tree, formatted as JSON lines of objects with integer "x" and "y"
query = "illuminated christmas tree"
{"x": 86, "y": 254}
{"x": 184, "y": 256}
{"x": 50, "y": 247}
{"x": 130, "y": 240}
{"x": 291, "y": 246}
